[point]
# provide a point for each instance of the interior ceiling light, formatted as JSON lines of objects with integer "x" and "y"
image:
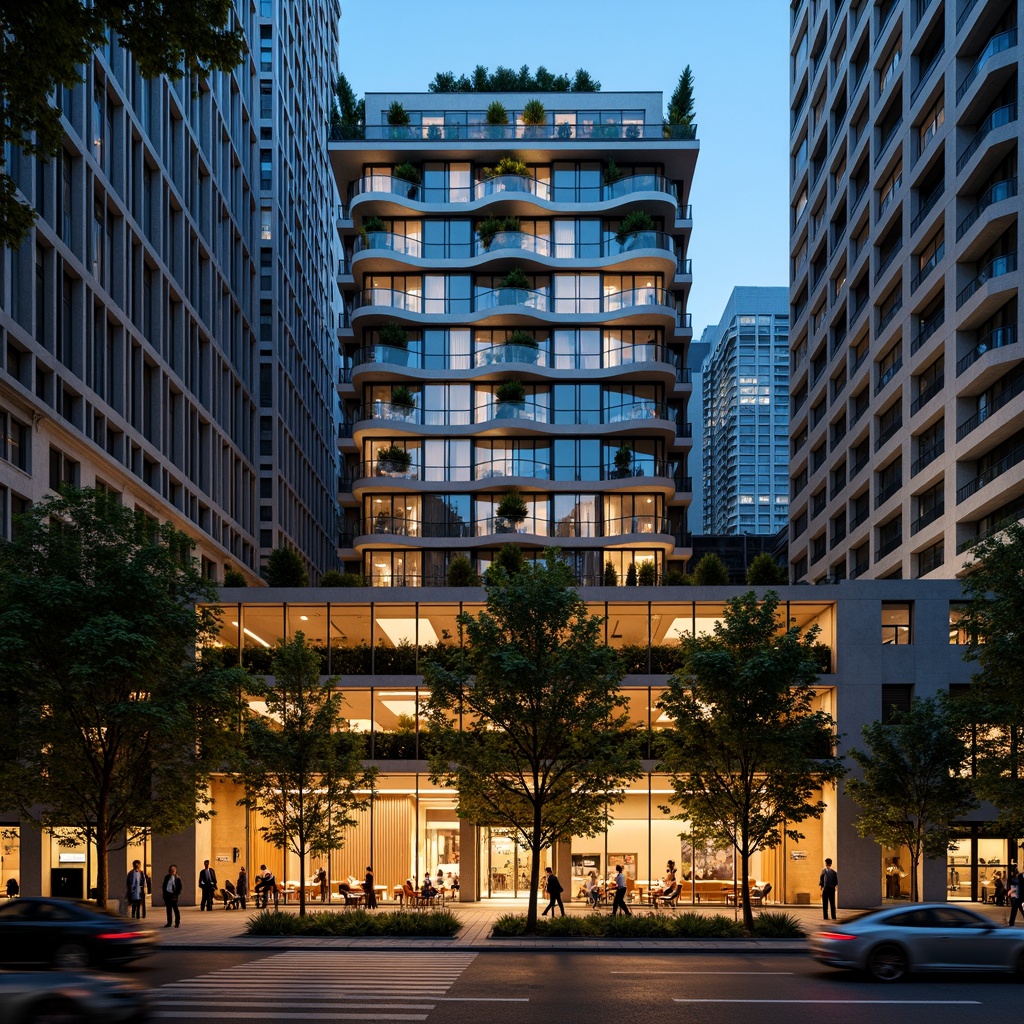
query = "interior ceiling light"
{"x": 404, "y": 631}
{"x": 252, "y": 635}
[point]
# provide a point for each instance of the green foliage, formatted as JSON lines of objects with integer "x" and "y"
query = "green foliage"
{"x": 776, "y": 924}
{"x": 675, "y": 578}
{"x": 402, "y": 397}
{"x": 624, "y": 458}
{"x": 914, "y": 787}
{"x": 399, "y": 457}
{"x": 509, "y": 164}
{"x": 348, "y": 115}
{"x": 515, "y": 278}
{"x": 332, "y": 578}
{"x": 508, "y": 562}
{"x": 764, "y": 571}
{"x": 611, "y": 577}
{"x": 507, "y": 80}
{"x": 408, "y": 172}
{"x": 347, "y": 579}
{"x": 611, "y": 173}
{"x": 631, "y": 575}
{"x": 393, "y": 334}
{"x": 300, "y": 769}
{"x": 512, "y": 507}
{"x": 545, "y": 746}
{"x": 747, "y": 751}
{"x": 534, "y": 114}
{"x": 994, "y": 585}
{"x": 397, "y": 115}
{"x": 427, "y": 923}
{"x": 710, "y": 571}
{"x": 490, "y": 226}
{"x": 460, "y": 573}
{"x": 510, "y": 391}
{"x": 633, "y": 223}
{"x": 49, "y": 45}
{"x": 234, "y": 578}
{"x": 680, "y": 105}
{"x": 521, "y": 338}
{"x": 496, "y": 113}
{"x": 374, "y": 224}
{"x": 681, "y": 925}
{"x": 285, "y": 568}
{"x": 647, "y": 575}
{"x": 108, "y": 718}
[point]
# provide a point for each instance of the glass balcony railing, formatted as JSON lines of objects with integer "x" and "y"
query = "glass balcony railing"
{"x": 995, "y": 193}
{"x": 998, "y": 267}
{"x": 994, "y": 339}
{"x": 996, "y": 119}
{"x": 392, "y": 186}
{"x": 531, "y": 411}
{"x": 535, "y": 525}
{"x": 582, "y": 132}
{"x": 524, "y": 465}
{"x": 998, "y": 43}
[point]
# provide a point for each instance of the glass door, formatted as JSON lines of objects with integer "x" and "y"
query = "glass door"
{"x": 506, "y": 866}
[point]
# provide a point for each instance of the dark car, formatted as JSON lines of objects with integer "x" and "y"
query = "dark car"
{"x": 68, "y": 934}
{"x": 50, "y": 998}
{"x": 927, "y": 937}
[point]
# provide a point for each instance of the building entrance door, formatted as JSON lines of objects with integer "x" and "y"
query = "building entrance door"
{"x": 507, "y": 865}
{"x": 67, "y": 883}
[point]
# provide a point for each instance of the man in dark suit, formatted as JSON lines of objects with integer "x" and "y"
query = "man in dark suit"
{"x": 171, "y": 888}
{"x": 828, "y": 883}
{"x": 553, "y": 887}
{"x": 208, "y": 886}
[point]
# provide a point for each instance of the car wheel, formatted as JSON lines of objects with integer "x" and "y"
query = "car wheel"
{"x": 887, "y": 963}
{"x": 71, "y": 956}
{"x": 54, "y": 1011}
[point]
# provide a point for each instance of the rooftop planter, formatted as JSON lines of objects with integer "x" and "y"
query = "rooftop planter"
{"x": 535, "y": 119}
{"x": 398, "y": 119}
{"x": 497, "y": 120}
{"x": 408, "y": 173}
{"x": 393, "y": 460}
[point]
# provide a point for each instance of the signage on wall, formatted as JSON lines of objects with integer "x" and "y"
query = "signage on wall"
{"x": 224, "y": 858}
{"x": 798, "y": 855}
{"x": 71, "y": 858}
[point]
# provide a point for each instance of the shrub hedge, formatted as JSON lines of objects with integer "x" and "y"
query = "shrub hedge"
{"x": 428, "y": 923}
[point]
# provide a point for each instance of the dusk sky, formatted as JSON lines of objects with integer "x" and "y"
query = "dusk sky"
{"x": 739, "y": 52}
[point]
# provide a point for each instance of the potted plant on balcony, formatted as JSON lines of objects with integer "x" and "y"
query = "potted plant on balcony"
{"x": 611, "y": 173}
{"x": 371, "y": 225}
{"x": 611, "y": 577}
{"x": 509, "y": 166}
{"x": 398, "y": 119}
{"x": 524, "y": 343}
{"x": 635, "y": 222}
{"x": 393, "y": 335}
{"x": 511, "y": 511}
{"x": 403, "y": 401}
{"x": 647, "y": 575}
{"x": 411, "y": 176}
{"x": 535, "y": 118}
{"x": 509, "y": 393}
{"x": 497, "y": 119}
{"x": 623, "y": 462}
{"x": 490, "y": 226}
{"x": 631, "y": 575}
{"x": 564, "y": 130}
{"x": 516, "y": 279}
{"x": 392, "y": 460}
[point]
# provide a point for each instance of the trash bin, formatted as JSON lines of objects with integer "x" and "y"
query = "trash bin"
{"x": 802, "y": 899}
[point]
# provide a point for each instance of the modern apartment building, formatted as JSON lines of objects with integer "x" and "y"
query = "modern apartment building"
{"x": 907, "y": 427}
{"x": 514, "y": 337}
{"x": 165, "y": 331}
{"x": 745, "y": 404}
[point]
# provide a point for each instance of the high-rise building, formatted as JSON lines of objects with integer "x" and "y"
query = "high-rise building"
{"x": 907, "y": 428}
{"x": 515, "y": 333}
{"x": 745, "y": 404}
{"x": 166, "y": 330}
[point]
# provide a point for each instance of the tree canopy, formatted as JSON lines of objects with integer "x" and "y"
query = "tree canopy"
{"x": 764, "y": 571}
{"x": 528, "y": 722}
{"x": 747, "y": 749}
{"x": 301, "y": 770}
{"x": 45, "y": 45}
{"x": 913, "y": 788}
{"x": 680, "y": 104}
{"x": 504, "y": 79}
{"x": 710, "y": 571}
{"x": 285, "y": 568}
{"x": 348, "y": 115}
{"x": 111, "y": 724}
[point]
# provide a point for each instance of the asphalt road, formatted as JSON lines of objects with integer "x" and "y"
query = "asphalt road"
{"x": 568, "y": 988}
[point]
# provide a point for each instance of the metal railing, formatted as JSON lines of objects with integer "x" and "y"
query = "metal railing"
{"x": 533, "y": 525}
{"x": 926, "y": 330}
{"x": 513, "y": 466}
{"x": 527, "y": 411}
{"x": 927, "y": 518}
{"x": 933, "y": 261}
{"x": 996, "y": 119}
{"x": 992, "y": 473}
{"x": 927, "y": 394}
{"x": 1012, "y": 389}
{"x": 563, "y": 132}
{"x": 927, "y": 457}
{"x": 998, "y": 43}
{"x": 996, "y": 193}
{"x": 994, "y": 339}
{"x": 888, "y": 431}
{"x": 997, "y": 267}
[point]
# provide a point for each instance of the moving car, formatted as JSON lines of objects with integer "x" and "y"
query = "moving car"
{"x": 68, "y": 934}
{"x": 923, "y": 937}
{"x": 55, "y": 998}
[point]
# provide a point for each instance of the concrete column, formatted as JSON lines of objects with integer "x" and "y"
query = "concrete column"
{"x": 32, "y": 877}
{"x": 933, "y": 880}
{"x": 117, "y": 871}
{"x": 188, "y": 850}
{"x": 561, "y": 864}
{"x": 469, "y": 857}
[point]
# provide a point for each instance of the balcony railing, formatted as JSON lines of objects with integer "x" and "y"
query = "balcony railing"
{"x": 927, "y": 518}
{"x": 927, "y": 457}
{"x": 583, "y": 133}
{"x": 889, "y": 545}
{"x": 962, "y": 17}
{"x": 996, "y": 119}
{"x": 998, "y": 43}
{"x": 528, "y": 411}
{"x": 894, "y": 251}
{"x": 996, "y": 193}
{"x": 1007, "y": 394}
{"x": 858, "y": 517}
{"x": 888, "y": 431}
{"x": 1007, "y": 462}
{"x": 927, "y": 73}
{"x": 994, "y": 339}
{"x": 927, "y": 205}
{"x": 520, "y": 241}
{"x": 994, "y": 268}
{"x": 522, "y": 465}
{"x": 926, "y": 330}
{"x": 889, "y": 136}
{"x": 486, "y": 526}
{"x": 538, "y": 300}
{"x": 933, "y": 261}
{"x": 927, "y": 394}
{"x": 886, "y": 318}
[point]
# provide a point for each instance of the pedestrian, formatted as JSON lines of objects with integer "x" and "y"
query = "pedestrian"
{"x": 1013, "y": 892}
{"x": 208, "y": 886}
{"x": 828, "y": 882}
{"x": 266, "y": 886}
{"x": 619, "y": 903}
{"x": 371, "y": 895}
{"x": 324, "y": 882}
{"x": 553, "y": 887}
{"x": 136, "y": 886}
{"x": 12, "y": 887}
{"x": 592, "y": 890}
{"x": 242, "y": 887}
{"x": 171, "y": 889}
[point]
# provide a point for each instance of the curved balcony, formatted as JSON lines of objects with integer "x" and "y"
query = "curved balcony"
{"x": 997, "y": 44}
{"x": 398, "y": 193}
{"x": 998, "y": 267}
{"x": 520, "y": 304}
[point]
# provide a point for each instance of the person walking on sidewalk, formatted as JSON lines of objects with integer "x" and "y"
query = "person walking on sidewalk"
{"x": 171, "y": 889}
{"x": 136, "y": 886}
{"x": 371, "y": 893}
{"x": 242, "y": 887}
{"x": 619, "y": 903}
{"x": 828, "y": 882}
{"x": 553, "y": 887}
{"x": 208, "y": 886}
{"x": 1014, "y": 892}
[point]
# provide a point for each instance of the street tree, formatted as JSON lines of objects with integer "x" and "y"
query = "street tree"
{"x": 111, "y": 724}
{"x": 528, "y": 722}
{"x": 764, "y": 571}
{"x": 46, "y": 45}
{"x": 747, "y": 750}
{"x": 301, "y": 769}
{"x": 993, "y": 709}
{"x": 913, "y": 787}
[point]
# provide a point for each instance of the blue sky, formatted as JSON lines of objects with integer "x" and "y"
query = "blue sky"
{"x": 738, "y": 50}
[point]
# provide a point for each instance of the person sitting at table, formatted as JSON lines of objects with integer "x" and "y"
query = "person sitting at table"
{"x": 592, "y": 890}
{"x": 452, "y": 882}
{"x": 409, "y": 892}
{"x": 427, "y": 890}
{"x": 667, "y": 882}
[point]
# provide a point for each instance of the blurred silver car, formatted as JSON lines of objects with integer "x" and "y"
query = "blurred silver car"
{"x": 923, "y": 937}
{"x": 59, "y": 997}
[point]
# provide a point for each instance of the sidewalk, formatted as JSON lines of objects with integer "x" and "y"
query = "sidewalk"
{"x": 225, "y": 930}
